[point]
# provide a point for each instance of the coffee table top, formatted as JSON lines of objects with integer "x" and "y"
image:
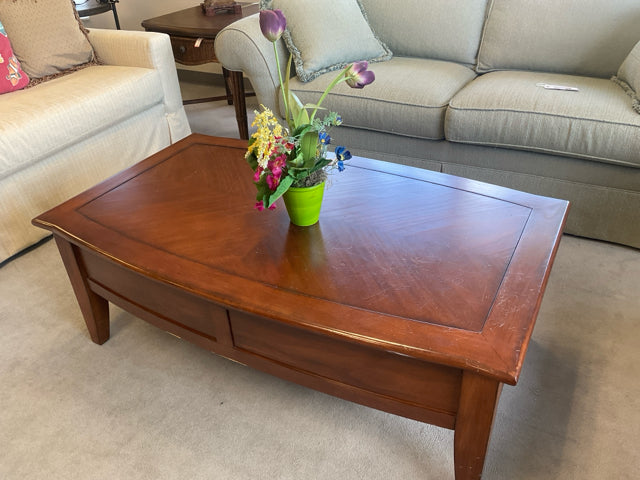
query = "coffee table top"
{"x": 191, "y": 22}
{"x": 408, "y": 260}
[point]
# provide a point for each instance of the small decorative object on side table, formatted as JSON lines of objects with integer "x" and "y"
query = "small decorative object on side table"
{"x": 291, "y": 161}
{"x": 216, "y": 7}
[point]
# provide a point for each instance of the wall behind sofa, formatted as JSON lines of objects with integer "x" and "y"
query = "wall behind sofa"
{"x": 132, "y": 12}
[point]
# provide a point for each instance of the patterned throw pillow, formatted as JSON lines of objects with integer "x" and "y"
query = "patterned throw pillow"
{"x": 11, "y": 75}
{"x": 47, "y": 36}
{"x": 629, "y": 76}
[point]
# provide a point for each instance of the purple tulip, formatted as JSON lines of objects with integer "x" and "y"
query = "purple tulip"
{"x": 272, "y": 24}
{"x": 358, "y": 76}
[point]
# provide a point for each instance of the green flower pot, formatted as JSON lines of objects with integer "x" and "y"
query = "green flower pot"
{"x": 303, "y": 204}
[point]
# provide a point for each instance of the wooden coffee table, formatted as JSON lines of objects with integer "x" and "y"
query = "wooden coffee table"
{"x": 192, "y": 37}
{"x": 416, "y": 293}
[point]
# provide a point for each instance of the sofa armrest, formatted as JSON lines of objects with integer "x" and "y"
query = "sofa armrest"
{"x": 242, "y": 47}
{"x": 146, "y": 50}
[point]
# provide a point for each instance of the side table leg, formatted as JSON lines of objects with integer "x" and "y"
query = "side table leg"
{"x": 478, "y": 402}
{"x": 94, "y": 308}
{"x": 237, "y": 89}
{"x": 227, "y": 85}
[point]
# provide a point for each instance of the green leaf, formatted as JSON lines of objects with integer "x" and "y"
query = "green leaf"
{"x": 313, "y": 105}
{"x": 299, "y": 173}
{"x": 295, "y": 107}
{"x": 283, "y": 186}
{"x": 296, "y": 162}
{"x": 308, "y": 147}
{"x": 320, "y": 164}
{"x": 302, "y": 118}
{"x": 286, "y": 88}
{"x": 302, "y": 129}
{"x": 252, "y": 160}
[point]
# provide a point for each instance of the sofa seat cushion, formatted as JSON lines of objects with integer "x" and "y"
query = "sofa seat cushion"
{"x": 509, "y": 109}
{"x": 408, "y": 97}
{"x": 40, "y": 121}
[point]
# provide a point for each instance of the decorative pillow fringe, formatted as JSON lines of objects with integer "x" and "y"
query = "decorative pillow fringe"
{"x": 37, "y": 81}
{"x": 635, "y": 101}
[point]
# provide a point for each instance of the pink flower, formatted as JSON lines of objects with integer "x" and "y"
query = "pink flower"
{"x": 277, "y": 172}
{"x": 273, "y": 182}
{"x": 257, "y": 174}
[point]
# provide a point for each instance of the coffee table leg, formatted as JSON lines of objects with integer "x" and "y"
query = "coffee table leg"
{"x": 237, "y": 90}
{"x": 94, "y": 308}
{"x": 478, "y": 401}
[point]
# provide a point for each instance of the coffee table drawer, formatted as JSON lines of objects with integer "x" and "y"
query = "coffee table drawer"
{"x": 186, "y": 52}
{"x": 171, "y": 309}
{"x": 391, "y": 375}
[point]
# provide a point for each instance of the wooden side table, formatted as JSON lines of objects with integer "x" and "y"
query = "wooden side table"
{"x": 192, "y": 37}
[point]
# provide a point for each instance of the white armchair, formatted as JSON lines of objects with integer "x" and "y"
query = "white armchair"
{"x": 62, "y": 136}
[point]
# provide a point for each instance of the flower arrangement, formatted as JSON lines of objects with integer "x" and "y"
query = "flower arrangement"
{"x": 295, "y": 155}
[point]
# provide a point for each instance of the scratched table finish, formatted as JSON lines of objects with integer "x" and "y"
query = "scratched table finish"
{"x": 416, "y": 293}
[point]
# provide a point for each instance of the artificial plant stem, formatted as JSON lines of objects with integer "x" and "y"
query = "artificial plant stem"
{"x": 335, "y": 81}
{"x": 284, "y": 96}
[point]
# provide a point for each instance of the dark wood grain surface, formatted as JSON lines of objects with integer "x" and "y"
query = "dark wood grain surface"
{"x": 191, "y": 22}
{"x": 415, "y": 261}
{"x": 416, "y": 293}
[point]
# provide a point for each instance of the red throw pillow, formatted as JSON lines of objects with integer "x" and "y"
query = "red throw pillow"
{"x": 11, "y": 75}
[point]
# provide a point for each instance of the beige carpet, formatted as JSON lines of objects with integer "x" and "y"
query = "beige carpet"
{"x": 147, "y": 405}
{"x": 217, "y": 118}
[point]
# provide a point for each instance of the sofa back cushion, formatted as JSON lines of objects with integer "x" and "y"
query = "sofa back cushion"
{"x": 579, "y": 37}
{"x": 47, "y": 36}
{"x": 434, "y": 29}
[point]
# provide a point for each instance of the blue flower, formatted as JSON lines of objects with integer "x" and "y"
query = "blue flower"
{"x": 324, "y": 138}
{"x": 342, "y": 154}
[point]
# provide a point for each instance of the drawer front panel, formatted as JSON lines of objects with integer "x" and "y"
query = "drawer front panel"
{"x": 185, "y": 51}
{"x": 389, "y": 374}
{"x": 165, "y": 302}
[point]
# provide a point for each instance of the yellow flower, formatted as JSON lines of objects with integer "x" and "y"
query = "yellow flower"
{"x": 268, "y": 129}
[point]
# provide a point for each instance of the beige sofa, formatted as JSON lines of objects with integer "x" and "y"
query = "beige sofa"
{"x": 64, "y": 135}
{"x": 462, "y": 95}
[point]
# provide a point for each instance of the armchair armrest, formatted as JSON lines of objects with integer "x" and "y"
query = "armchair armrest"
{"x": 146, "y": 50}
{"x": 242, "y": 47}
